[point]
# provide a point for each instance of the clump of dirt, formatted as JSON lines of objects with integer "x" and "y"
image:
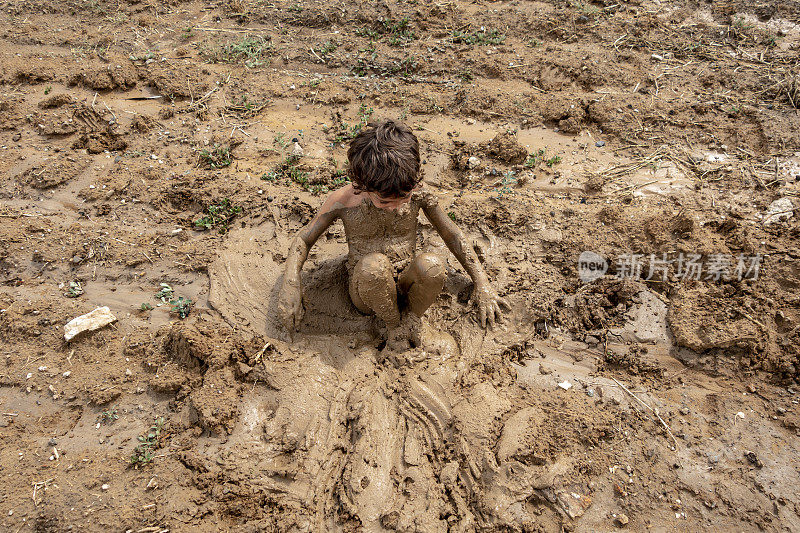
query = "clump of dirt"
{"x": 53, "y": 173}
{"x": 506, "y": 148}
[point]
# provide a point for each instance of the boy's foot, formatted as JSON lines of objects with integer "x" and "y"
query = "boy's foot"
{"x": 407, "y": 334}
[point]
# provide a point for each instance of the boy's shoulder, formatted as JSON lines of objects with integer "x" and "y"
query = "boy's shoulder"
{"x": 343, "y": 198}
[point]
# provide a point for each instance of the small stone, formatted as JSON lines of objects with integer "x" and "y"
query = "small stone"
{"x": 622, "y": 520}
{"x": 105, "y": 486}
{"x": 780, "y": 209}
{"x": 684, "y": 410}
{"x": 590, "y": 392}
{"x": 270, "y": 198}
{"x": 751, "y": 388}
{"x": 544, "y": 369}
{"x": 470, "y": 121}
{"x": 16, "y": 137}
{"x": 67, "y": 374}
{"x": 473, "y": 162}
{"x": 753, "y": 458}
{"x": 740, "y": 415}
{"x": 591, "y": 339}
{"x": 52, "y": 442}
{"x": 600, "y": 144}
{"x": 566, "y": 385}
{"x": 77, "y": 259}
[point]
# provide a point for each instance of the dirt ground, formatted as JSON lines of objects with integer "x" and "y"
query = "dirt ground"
{"x": 147, "y": 143}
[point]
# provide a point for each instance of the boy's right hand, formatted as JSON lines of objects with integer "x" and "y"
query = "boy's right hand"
{"x": 290, "y": 305}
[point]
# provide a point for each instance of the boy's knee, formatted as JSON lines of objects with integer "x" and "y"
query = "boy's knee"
{"x": 374, "y": 264}
{"x": 430, "y": 266}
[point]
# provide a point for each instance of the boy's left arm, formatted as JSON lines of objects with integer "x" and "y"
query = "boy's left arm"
{"x": 484, "y": 296}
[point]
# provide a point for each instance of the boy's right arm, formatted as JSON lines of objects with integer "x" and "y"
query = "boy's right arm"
{"x": 290, "y": 300}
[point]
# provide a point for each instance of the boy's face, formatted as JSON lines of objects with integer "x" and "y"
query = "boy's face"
{"x": 388, "y": 203}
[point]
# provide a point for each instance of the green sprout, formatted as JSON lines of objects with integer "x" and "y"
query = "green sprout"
{"x": 144, "y": 453}
{"x": 181, "y": 306}
{"x": 74, "y": 290}
{"x": 219, "y": 216}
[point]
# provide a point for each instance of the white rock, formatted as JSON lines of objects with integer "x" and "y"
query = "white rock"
{"x": 105, "y": 486}
{"x": 97, "y": 319}
{"x": 740, "y": 415}
{"x": 566, "y": 385}
{"x": 473, "y": 162}
{"x": 780, "y": 209}
{"x": 297, "y": 150}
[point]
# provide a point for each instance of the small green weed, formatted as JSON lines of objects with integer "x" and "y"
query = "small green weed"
{"x": 509, "y": 180}
{"x": 146, "y": 307}
{"x": 398, "y": 31}
{"x": 278, "y": 140}
{"x": 245, "y": 108}
{"x": 219, "y": 216}
{"x": 328, "y": 47}
{"x": 48, "y": 89}
{"x": 218, "y": 157}
{"x": 249, "y": 51}
{"x": 481, "y": 37}
{"x": 556, "y": 159}
{"x": 143, "y": 57}
{"x": 466, "y": 75}
{"x": 451, "y": 215}
{"x": 145, "y": 451}
{"x": 164, "y": 294}
{"x": 109, "y": 416}
{"x": 181, "y": 306}
{"x": 535, "y": 158}
{"x": 74, "y": 290}
{"x": 288, "y": 172}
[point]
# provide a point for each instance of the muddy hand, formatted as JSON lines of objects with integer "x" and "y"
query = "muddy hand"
{"x": 290, "y": 305}
{"x": 488, "y": 304}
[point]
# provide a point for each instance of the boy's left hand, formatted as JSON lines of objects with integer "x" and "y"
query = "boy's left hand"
{"x": 488, "y": 304}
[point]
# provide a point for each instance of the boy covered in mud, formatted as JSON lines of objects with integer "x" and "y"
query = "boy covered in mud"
{"x": 379, "y": 210}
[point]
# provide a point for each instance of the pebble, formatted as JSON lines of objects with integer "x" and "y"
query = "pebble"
{"x": 16, "y": 137}
{"x": 105, "y": 486}
{"x": 67, "y": 374}
{"x": 600, "y": 144}
{"x": 473, "y": 162}
{"x": 622, "y": 519}
{"x": 684, "y": 410}
{"x": 566, "y": 385}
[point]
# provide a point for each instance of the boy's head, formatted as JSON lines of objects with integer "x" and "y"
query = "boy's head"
{"x": 384, "y": 159}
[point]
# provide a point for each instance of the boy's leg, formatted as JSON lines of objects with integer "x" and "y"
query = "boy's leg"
{"x": 423, "y": 280}
{"x": 373, "y": 290}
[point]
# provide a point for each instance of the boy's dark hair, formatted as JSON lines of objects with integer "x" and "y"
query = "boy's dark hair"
{"x": 384, "y": 159}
